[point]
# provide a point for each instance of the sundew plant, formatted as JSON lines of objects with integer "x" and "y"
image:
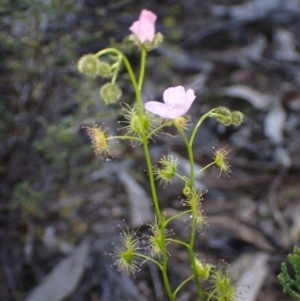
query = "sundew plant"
{"x": 145, "y": 120}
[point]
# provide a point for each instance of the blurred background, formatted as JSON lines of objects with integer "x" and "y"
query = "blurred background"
{"x": 61, "y": 207}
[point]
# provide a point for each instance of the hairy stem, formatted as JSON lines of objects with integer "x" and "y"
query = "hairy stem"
{"x": 193, "y": 228}
{"x": 151, "y": 179}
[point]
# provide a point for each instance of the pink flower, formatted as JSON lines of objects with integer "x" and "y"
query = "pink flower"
{"x": 177, "y": 102}
{"x": 144, "y": 28}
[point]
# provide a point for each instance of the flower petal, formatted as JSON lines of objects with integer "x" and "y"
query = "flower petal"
{"x": 177, "y": 103}
{"x": 144, "y": 28}
{"x": 148, "y": 15}
{"x": 157, "y": 108}
{"x": 190, "y": 97}
{"x": 174, "y": 96}
{"x": 164, "y": 110}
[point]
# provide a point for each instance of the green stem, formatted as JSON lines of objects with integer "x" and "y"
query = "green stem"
{"x": 142, "y": 69}
{"x": 149, "y": 258}
{"x": 178, "y": 242}
{"x": 126, "y": 63}
{"x": 191, "y": 156}
{"x": 211, "y": 295}
{"x": 145, "y": 140}
{"x": 193, "y": 230}
{"x": 193, "y": 261}
{"x": 137, "y": 88}
{"x": 137, "y": 85}
{"x": 175, "y": 216}
{"x": 124, "y": 138}
{"x": 207, "y": 166}
{"x": 198, "y": 124}
{"x": 182, "y": 284}
{"x": 157, "y": 129}
{"x": 159, "y": 215}
{"x": 180, "y": 177}
{"x": 116, "y": 71}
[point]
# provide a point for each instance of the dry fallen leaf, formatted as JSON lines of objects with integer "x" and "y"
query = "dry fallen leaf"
{"x": 255, "y": 9}
{"x": 63, "y": 279}
{"x": 139, "y": 202}
{"x": 274, "y": 123}
{"x": 285, "y": 48}
{"x": 51, "y": 241}
{"x": 253, "y": 270}
{"x": 233, "y": 228}
{"x": 254, "y": 51}
{"x": 258, "y": 100}
{"x": 295, "y": 229}
{"x": 282, "y": 157}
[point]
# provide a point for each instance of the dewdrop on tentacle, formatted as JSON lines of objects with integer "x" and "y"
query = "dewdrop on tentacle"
{"x": 98, "y": 138}
{"x": 203, "y": 269}
{"x": 127, "y": 260}
{"x": 220, "y": 157}
{"x": 223, "y": 285}
{"x": 167, "y": 169}
{"x": 194, "y": 202}
{"x": 155, "y": 240}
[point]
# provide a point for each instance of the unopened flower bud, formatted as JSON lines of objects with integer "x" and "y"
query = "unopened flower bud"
{"x": 157, "y": 41}
{"x": 237, "y": 117}
{"x": 223, "y": 115}
{"x": 110, "y": 93}
{"x": 104, "y": 69}
{"x": 88, "y": 65}
{"x": 147, "y": 45}
{"x": 181, "y": 123}
{"x": 144, "y": 27}
{"x": 223, "y": 111}
{"x": 187, "y": 190}
{"x": 132, "y": 38}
